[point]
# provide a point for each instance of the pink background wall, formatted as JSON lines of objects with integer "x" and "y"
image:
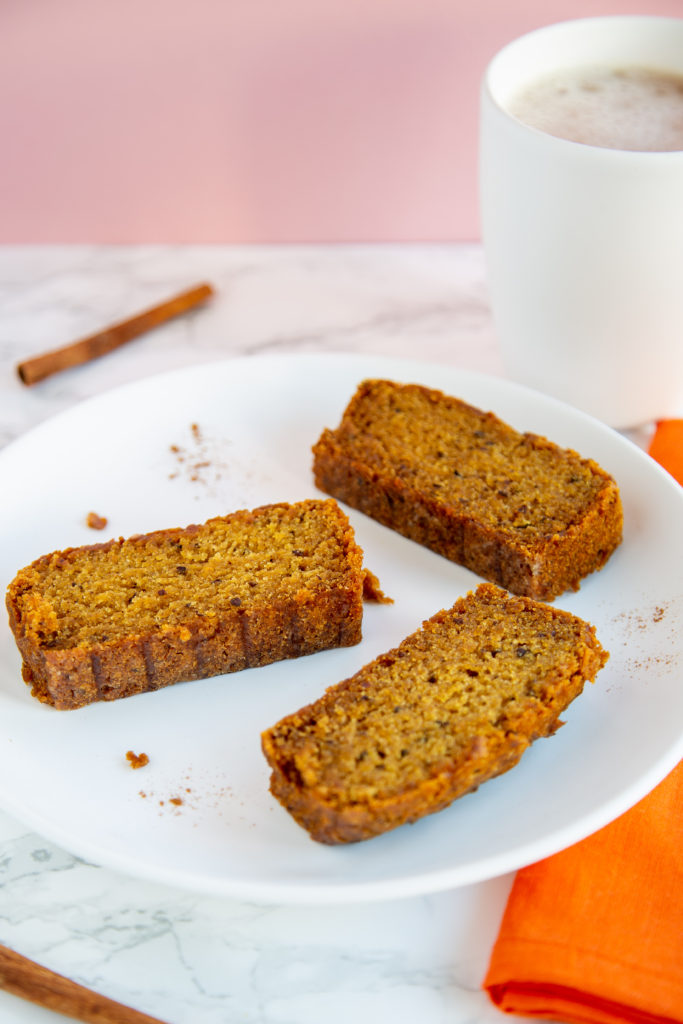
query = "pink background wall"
{"x": 251, "y": 120}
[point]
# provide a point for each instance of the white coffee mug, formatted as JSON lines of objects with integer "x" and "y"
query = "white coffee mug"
{"x": 584, "y": 245}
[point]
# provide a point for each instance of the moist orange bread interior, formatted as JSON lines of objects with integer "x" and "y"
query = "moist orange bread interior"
{"x": 514, "y": 508}
{"x": 457, "y": 703}
{"x": 112, "y": 619}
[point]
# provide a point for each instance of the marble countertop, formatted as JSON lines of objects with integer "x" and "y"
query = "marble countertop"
{"x": 197, "y": 959}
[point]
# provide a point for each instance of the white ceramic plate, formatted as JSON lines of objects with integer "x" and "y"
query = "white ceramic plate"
{"x": 184, "y": 446}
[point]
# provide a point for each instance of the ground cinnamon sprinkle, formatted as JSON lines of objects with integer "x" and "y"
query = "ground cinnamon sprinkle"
{"x": 196, "y": 460}
{"x": 640, "y": 622}
{"x": 641, "y": 619}
{"x": 137, "y": 760}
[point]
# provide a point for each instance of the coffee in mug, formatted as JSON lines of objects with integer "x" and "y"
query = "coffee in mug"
{"x": 635, "y": 108}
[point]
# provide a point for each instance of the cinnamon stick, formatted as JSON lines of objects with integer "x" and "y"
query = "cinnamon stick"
{"x": 95, "y": 345}
{"x": 31, "y": 981}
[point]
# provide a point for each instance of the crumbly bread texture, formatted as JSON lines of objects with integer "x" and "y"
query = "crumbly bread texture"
{"x": 457, "y": 703}
{"x": 111, "y": 620}
{"x": 514, "y": 508}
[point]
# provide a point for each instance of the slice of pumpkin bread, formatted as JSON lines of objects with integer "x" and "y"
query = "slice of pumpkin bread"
{"x": 114, "y": 619}
{"x": 457, "y": 703}
{"x": 514, "y": 508}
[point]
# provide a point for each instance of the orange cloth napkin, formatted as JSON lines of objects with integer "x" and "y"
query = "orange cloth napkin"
{"x": 666, "y": 447}
{"x": 594, "y": 934}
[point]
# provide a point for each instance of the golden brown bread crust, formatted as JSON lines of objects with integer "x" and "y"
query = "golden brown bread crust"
{"x": 514, "y": 508}
{"x": 110, "y": 620}
{"x": 457, "y": 703}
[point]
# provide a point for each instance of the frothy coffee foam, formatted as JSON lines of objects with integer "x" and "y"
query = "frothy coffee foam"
{"x": 628, "y": 108}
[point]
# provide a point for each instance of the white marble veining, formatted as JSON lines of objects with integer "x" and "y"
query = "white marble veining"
{"x": 187, "y": 958}
{"x": 197, "y": 959}
{"x": 428, "y": 302}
